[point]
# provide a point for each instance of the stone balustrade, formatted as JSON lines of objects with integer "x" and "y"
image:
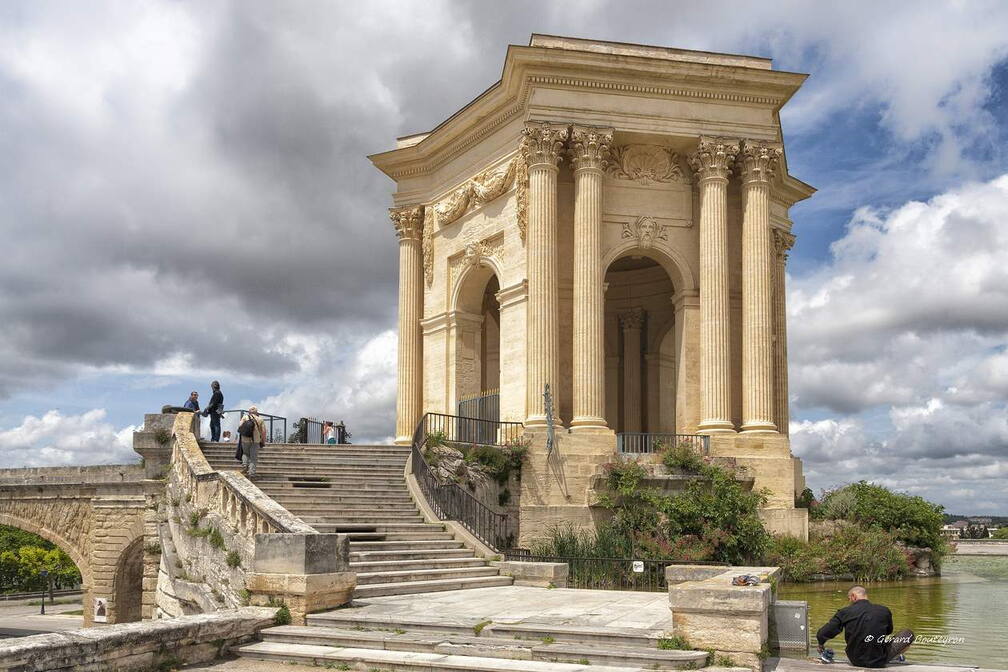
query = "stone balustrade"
{"x": 224, "y": 532}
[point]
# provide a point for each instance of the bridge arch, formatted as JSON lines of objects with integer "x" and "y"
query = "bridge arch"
{"x": 49, "y": 535}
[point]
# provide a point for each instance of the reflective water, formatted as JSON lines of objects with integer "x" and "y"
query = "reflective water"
{"x": 967, "y": 605}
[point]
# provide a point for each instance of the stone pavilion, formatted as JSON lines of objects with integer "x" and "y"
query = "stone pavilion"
{"x": 610, "y": 219}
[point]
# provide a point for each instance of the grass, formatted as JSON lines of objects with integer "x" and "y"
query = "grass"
{"x": 233, "y": 559}
{"x": 674, "y": 643}
{"x": 478, "y": 628}
{"x": 548, "y": 639}
{"x": 68, "y": 600}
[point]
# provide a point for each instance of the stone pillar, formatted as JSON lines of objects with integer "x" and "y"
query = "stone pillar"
{"x": 409, "y": 394}
{"x": 782, "y": 243}
{"x": 758, "y": 160}
{"x": 631, "y": 321}
{"x": 712, "y": 162}
{"x": 589, "y": 152}
{"x": 541, "y": 146}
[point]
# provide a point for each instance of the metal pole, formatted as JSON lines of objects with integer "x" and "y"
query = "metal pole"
{"x": 45, "y": 577}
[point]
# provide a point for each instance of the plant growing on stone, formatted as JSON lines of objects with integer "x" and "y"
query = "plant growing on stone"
{"x": 674, "y": 643}
{"x": 196, "y": 516}
{"x": 152, "y": 548}
{"x": 216, "y": 539}
{"x": 282, "y": 616}
{"x": 233, "y": 559}
{"x": 162, "y": 436}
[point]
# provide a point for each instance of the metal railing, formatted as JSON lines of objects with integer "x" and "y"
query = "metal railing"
{"x": 276, "y": 426}
{"x": 310, "y": 430}
{"x": 608, "y": 573}
{"x": 641, "y": 443}
{"x": 484, "y": 405}
{"x": 450, "y": 501}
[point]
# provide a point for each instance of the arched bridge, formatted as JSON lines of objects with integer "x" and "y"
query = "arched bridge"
{"x": 100, "y": 516}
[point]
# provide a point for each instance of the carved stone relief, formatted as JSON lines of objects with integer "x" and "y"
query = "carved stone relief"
{"x": 478, "y": 191}
{"x": 646, "y": 164}
{"x": 646, "y": 231}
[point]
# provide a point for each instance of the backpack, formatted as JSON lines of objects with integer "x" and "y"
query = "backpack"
{"x": 247, "y": 427}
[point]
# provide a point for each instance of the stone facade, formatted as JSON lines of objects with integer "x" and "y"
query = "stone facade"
{"x": 625, "y": 210}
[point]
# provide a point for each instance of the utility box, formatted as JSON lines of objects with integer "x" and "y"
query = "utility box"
{"x": 789, "y": 625}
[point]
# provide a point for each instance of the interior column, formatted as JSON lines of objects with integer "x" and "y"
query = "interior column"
{"x": 631, "y": 321}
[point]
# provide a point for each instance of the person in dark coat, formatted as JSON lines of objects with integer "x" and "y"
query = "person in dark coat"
{"x": 215, "y": 409}
{"x": 867, "y": 631}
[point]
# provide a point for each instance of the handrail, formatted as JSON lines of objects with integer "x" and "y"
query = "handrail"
{"x": 642, "y": 443}
{"x": 450, "y": 501}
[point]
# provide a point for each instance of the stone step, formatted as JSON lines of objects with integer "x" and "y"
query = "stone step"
{"x": 418, "y": 574}
{"x": 361, "y": 486}
{"x": 331, "y": 496}
{"x": 423, "y": 563}
{"x": 388, "y": 527}
{"x": 411, "y": 554}
{"x": 405, "y": 537}
{"x": 324, "y": 511}
{"x": 412, "y": 544}
{"x": 377, "y": 659}
{"x": 432, "y": 586}
{"x": 308, "y": 457}
{"x": 471, "y": 644}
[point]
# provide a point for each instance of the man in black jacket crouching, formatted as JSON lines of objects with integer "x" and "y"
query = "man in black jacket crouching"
{"x": 867, "y": 630}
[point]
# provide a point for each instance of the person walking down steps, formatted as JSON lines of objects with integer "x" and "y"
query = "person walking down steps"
{"x": 251, "y": 437}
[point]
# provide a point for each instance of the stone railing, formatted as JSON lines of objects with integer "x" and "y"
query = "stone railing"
{"x": 150, "y": 645}
{"x": 226, "y": 544}
{"x": 104, "y": 473}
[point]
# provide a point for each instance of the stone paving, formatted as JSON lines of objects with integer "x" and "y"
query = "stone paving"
{"x": 527, "y": 604}
{"x": 795, "y": 665}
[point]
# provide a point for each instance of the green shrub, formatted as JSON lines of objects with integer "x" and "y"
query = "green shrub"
{"x": 1001, "y": 533}
{"x": 682, "y": 457}
{"x": 436, "y": 439}
{"x": 797, "y": 559}
{"x": 282, "y": 616}
{"x": 911, "y": 519}
{"x": 233, "y": 559}
{"x": 196, "y": 516}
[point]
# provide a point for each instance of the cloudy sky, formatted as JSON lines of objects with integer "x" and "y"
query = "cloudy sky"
{"x": 184, "y": 195}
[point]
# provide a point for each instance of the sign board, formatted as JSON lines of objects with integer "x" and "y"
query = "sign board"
{"x": 101, "y": 610}
{"x": 638, "y": 566}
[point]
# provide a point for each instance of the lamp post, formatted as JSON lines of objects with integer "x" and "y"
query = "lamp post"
{"x": 45, "y": 582}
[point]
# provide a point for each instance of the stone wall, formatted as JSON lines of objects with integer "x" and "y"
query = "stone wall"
{"x": 163, "y": 644}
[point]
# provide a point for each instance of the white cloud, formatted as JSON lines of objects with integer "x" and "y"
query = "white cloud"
{"x": 56, "y": 439}
{"x": 908, "y": 322}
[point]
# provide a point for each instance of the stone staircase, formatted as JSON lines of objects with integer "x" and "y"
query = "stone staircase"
{"x": 350, "y": 640}
{"x": 360, "y": 491}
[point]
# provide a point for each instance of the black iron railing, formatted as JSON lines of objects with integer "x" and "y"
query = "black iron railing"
{"x": 312, "y": 430}
{"x": 640, "y": 443}
{"x": 608, "y": 573}
{"x": 450, "y": 501}
{"x": 276, "y": 426}
{"x": 485, "y": 406}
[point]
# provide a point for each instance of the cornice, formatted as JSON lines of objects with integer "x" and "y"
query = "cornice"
{"x": 528, "y": 67}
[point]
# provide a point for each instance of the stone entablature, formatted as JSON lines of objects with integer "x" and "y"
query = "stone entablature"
{"x": 542, "y": 199}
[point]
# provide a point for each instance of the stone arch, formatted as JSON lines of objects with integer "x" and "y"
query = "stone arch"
{"x": 475, "y": 335}
{"x": 76, "y": 554}
{"x": 127, "y": 584}
{"x": 674, "y": 263}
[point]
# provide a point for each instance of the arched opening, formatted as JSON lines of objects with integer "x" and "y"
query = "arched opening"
{"x": 476, "y": 326}
{"x": 129, "y": 583}
{"x": 20, "y": 571}
{"x": 640, "y": 345}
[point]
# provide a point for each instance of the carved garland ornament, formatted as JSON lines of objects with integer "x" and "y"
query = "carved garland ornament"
{"x": 482, "y": 189}
{"x": 646, "y": 231}
{"x": 645, "y": 164}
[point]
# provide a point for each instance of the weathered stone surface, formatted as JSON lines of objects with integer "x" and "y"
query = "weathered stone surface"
{"x": 301, "y": 553}
{"x": 541, "y": 574}
{"x": 135, "y": 646}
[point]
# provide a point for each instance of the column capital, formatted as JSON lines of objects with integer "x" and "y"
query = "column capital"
{"x": 632, "y": 319}
{"x": 542, "y": 143}
{"x": 589, "y": 147}
{"x": 408, "y": 222}
{"x": 714, "y": 158}
{"x": 759, "y": 161}
{"x": 782, "y": 242}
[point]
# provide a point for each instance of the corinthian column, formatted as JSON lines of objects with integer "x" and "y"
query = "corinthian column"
{"x": 712, "y": 162}
{"x": 589, "y": 151}
{"x": 409, "y": 395}
{"x": 759, "y": 160}
{"x": 541, "y": 145}
{"x": 632, "y": 321}
{"x": 782, "y": 243}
